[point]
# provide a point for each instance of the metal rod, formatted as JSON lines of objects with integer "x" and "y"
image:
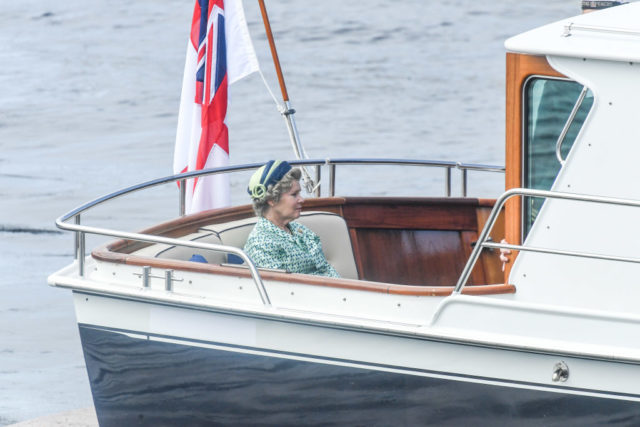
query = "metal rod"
{"x": 252, "y": 166}
{"x": 76, "y": 237}
{"x": 287, "y": 112}
{"x": 146, "y": 276}
{"x": 318, "y": 178}
{"x": 561, "y": 252}
{"x": 464, "y": 183}
{"x": 332, "y": 180}
{"x": 79, "y": 247}
{"x": 177, "y": 242}
{"x": 182, "y": 185}
{"x": 81, "y": 250}
{"x": 482, "y": 239}
{"x": 568, "y": 123}
{"x": 168, "y": 280}
{"x": 447, "y": 184}
{"x": 598, "y": 29}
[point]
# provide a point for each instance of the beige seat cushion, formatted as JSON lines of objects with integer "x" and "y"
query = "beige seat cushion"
{"x": 331, "y": 229}
{"x": 184, "y": 253}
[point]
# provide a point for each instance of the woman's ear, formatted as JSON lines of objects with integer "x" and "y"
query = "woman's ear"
{"x": 271, "y": 203}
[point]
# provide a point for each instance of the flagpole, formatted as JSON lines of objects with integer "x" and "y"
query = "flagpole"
{"x": 287, "y": 111}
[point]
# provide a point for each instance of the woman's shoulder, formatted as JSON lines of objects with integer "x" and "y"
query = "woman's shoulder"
{"x": 301, "y": 229}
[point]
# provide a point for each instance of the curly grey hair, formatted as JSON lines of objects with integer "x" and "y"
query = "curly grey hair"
{"x": 274, "y": 192}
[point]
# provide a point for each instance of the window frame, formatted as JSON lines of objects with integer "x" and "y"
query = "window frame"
{"x": 524, "y": 140}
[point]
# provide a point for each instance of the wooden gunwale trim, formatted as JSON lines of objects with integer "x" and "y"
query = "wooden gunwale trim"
{"x": 302, "y": 279}
{"x": 519, "y": 67}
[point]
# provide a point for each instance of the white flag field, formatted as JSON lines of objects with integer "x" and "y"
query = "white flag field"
{"x": 219, "y": 53}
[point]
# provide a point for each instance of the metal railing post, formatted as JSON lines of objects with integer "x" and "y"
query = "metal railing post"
{"x": 332, "y": 180}
{"x": 447, "y": 183}
{"x": 464, "y": 182}
{"x": 318, "y": 176}
{"x": 146, "y": 276}
{"x": 168, "y": 280}
{"x": 183, "y": 196}
{"x": 80, "y": 247}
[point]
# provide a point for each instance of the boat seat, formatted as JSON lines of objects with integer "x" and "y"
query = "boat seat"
{"x": 331, "y": 228}
{"x": 185, "y": 253}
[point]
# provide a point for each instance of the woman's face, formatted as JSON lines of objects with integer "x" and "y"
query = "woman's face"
{"x": 289, "y": 206}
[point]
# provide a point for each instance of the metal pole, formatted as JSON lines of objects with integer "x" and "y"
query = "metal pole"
{"x": 464, "y": 183}
{"x": 146, "y": 276}
{"x": 80, "y": 248}
{"x": 318, "y": 177}
{"x": 568, "y": 123}
{"x": 332, "y": 180}
{"x": 168, "y": 280}
{"x": 448, "y": 182}
{"x": 288, "y": 112}
{"x": 183, "y": 196}
{"x": 76, "y": 236}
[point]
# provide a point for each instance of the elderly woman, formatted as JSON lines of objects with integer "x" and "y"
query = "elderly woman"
{"x": 277, "y": 241}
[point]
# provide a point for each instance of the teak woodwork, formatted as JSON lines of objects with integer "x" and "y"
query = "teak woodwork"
{"x": 519, "y": 68}
{"x": 422, "y": 242}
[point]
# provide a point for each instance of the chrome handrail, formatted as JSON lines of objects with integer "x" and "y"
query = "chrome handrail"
{"x": 569, "y": 28}
{"x": 82, "y": 230}
{"x": 447, "y": 165}
{"x": 483, "y": 238}
{"x": 568, "y": 123}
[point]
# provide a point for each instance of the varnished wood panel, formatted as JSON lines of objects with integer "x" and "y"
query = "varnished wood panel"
{"x": 419, "y": 241}
{"x": 412, "y": 257}
{"x": 490, "y": 259}
{"x": 519, "y": 68}
{"x": 433, "y": 216}
{"x": 468, "y": 238}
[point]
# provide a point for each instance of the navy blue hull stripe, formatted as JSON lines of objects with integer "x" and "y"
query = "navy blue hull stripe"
{"x": 147, "y": 382}
{"x": 366, "y": 365}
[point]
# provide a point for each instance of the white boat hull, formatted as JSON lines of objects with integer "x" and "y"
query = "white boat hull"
{"x": 175, "y": 364}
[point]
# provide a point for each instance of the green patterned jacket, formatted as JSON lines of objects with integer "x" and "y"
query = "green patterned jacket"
{"x": 297, "y": 252}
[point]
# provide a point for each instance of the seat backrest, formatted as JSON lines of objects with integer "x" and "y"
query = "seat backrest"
{"x": 184, "y": 253}
{"x": 331, "y": 228}
{"x": 336, "y": 243}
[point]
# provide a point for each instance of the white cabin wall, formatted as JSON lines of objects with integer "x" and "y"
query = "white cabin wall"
{"x": 604, "y": 161}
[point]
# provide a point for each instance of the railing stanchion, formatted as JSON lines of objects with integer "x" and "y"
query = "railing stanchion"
{"x": 447, "y": 183}
{"x": 332, "y": 180}
{"x": 79, "y": 247}
{"x": 318, "y": 176}
{"x": 464, "y": 183}
{"x": 76, "y": 237}
{"x": 183, "y": 196}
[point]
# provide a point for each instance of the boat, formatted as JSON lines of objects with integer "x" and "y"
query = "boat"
{"x": 423, "y": 326}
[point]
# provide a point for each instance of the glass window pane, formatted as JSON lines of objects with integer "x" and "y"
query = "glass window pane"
{"x": 548, "y": 105}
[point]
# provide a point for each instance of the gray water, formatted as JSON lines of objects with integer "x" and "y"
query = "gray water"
{"x": 89, "y": 93}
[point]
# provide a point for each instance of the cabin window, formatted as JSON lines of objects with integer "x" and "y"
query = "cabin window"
{"x": 548, "y": 103}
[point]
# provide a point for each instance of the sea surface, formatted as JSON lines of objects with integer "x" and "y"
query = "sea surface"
{"x": 89, "y": 95}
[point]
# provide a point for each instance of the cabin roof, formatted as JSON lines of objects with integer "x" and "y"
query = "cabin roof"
{"x": 616, "y": 36}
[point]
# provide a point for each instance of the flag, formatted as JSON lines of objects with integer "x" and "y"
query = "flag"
{"x": 219, "y": 53}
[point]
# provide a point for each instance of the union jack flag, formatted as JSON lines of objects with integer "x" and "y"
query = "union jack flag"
{"x": 202, "y": 140}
